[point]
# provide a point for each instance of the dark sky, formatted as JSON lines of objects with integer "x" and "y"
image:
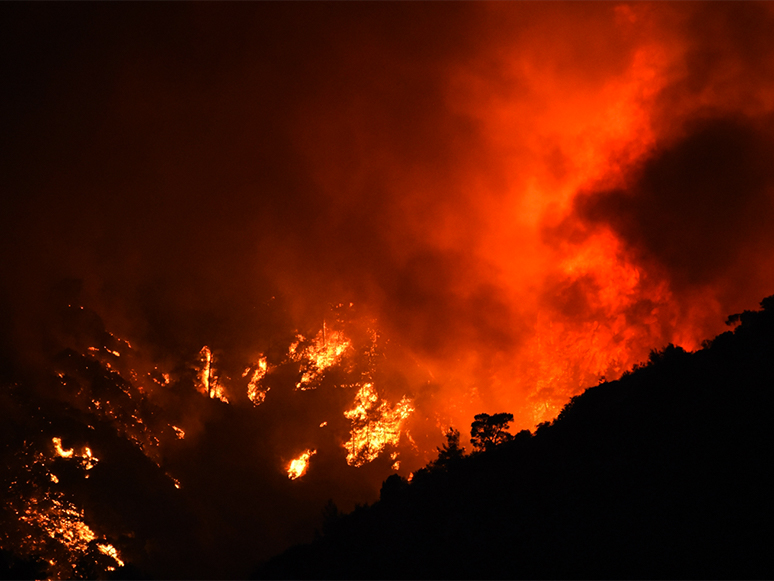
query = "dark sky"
{"x": 525, "y": 197}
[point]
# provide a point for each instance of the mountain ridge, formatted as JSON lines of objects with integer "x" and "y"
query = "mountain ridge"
{"x": 663, "y": 473}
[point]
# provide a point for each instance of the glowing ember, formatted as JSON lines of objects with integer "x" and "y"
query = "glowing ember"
{"x": 88, "y": 460}
{"x": 374, "y": 426}
{"x": 174, "y": 480}
{"x": 62, "y": 521}
{"x": 255, "y": 392}
{"x": 297, "y": 467}
{"x": 179, "y": 432}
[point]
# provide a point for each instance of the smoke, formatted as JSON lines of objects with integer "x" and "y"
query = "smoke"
{"x": 523, "y": 198}
{"x": 698, "y": 208}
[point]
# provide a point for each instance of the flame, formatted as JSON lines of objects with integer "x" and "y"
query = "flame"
{"x": 298, "y": 466}
{"x": 50, "y": 524}
{"x": 179, "y": 432}
{"x": 88, "y": 460}
{"x": 59, "y": 450}
{"x": 255, "y": 392}
{"x": 373, "y": 426}
{"x": 207, "y": 380}
{"x": 111, "y": 552}
{"x": 325, "y": 350}
{"x": 62, "y": 521}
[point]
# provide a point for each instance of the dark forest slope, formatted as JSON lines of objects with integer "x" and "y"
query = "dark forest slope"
{"x": 666, "y": 473}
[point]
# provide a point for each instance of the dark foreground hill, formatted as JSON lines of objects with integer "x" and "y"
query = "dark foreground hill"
{"x": 666, "y": 473}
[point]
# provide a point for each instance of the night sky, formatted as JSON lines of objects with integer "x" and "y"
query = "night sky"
{"x": 520, "y": 199}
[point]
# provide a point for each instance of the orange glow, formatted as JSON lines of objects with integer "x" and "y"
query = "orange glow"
{"x": 179, "y": 432}
{"x": 374, "y": 425}
{"x": 298, "y": 466}
{"x": 556, "y": 117}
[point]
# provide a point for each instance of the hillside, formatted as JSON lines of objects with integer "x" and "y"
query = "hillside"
{"x": 665, "y": 473}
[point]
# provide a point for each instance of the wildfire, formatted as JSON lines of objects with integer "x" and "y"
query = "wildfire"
{"x": 298, "y": 466}
{"x": 325, "y": 350}
{"x": 208, "y": 383}
{"x": 88, "y": 460}
{"x": 374, "y": 426}
{"x": 61, "y": 451}
{"x": 110, "y": 551}
{"x": 255, "y": 392}
{"x": 61, "y": 523}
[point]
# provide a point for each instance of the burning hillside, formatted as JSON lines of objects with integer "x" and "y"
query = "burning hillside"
{"x": 109, "y": 398}
{"x": 260, "y": 256}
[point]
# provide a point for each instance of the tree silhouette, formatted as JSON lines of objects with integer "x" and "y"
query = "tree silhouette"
{"x": 451, "y": 451}
{"x": 331, "y": 517}
{"x": 489, "y": 431}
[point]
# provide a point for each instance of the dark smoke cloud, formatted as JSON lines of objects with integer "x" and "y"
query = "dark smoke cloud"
{"x": 698, "y": 207}
{"x": 696, "y": 210}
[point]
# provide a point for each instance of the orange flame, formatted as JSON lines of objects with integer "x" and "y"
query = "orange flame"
{"x": 374, "y": 426}
{"x": 255, "y": 392}
{"x": 88, "y": 460}
{"x": 61, "y": 451}
{"x": 326, "y": 350}
{"x": 298, "y": 466}
{"x": 208, "y": 383}
{"x": 111, "y": 552}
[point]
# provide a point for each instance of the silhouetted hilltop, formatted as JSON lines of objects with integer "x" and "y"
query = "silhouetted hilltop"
{"x": 665, "y": 473}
